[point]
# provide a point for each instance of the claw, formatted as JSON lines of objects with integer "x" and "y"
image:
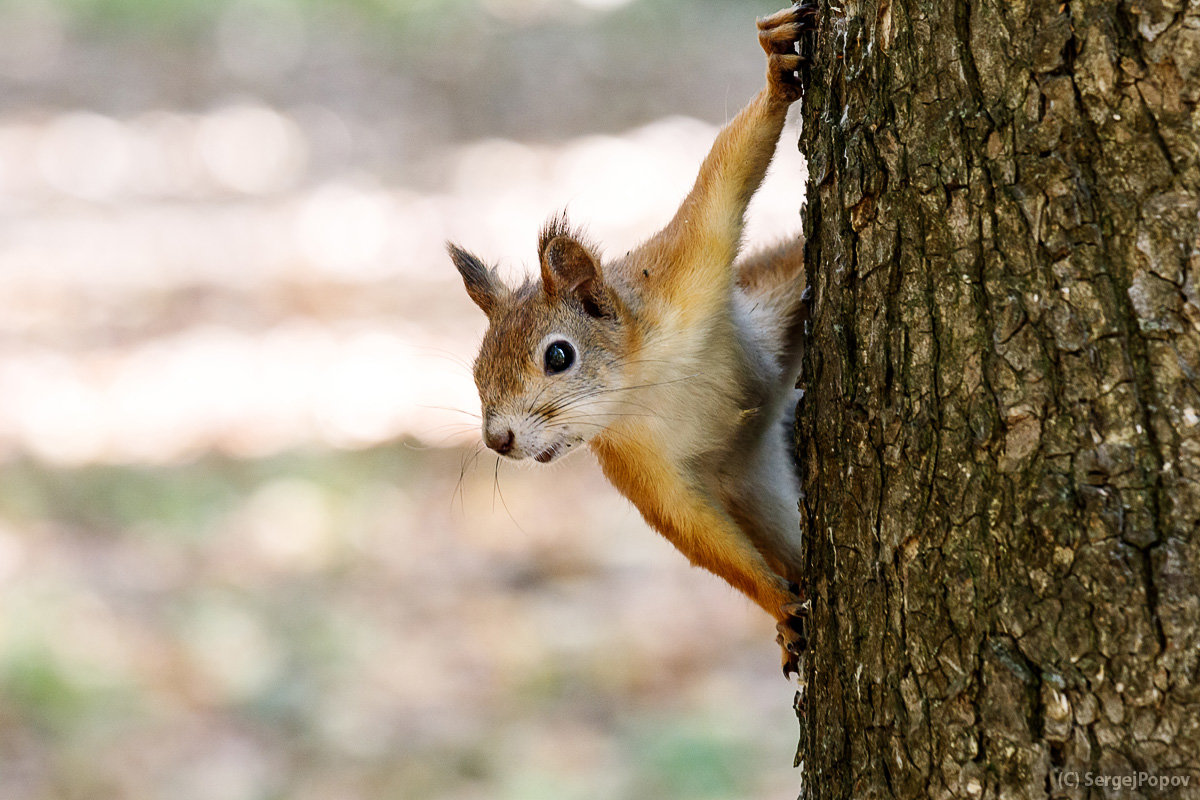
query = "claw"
{"x": 792, "y": 647}
{"x": 780, "y": 36}
{"x": 799, "y": 704}
{"x": 800, "y": 609}
{"x": 802, "y": 14}
{"x": 792, "y": 631}
{"x": 791, "y": 666}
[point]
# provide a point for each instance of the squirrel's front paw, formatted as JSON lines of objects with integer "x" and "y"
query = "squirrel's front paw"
{"x": 779, "y": 34}
{"x": 793, "y": 636}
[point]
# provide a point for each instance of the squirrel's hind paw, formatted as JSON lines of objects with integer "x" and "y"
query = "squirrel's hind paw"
{"x": 793, "y": 636}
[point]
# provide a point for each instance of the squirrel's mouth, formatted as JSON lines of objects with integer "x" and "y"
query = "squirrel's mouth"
{"x": 550, "y": 453}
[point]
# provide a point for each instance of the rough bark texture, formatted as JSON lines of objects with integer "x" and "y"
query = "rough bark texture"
{"x": 1000, "y": 440}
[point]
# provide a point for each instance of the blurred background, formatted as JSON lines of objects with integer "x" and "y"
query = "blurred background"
{"x": 249, "y": 547}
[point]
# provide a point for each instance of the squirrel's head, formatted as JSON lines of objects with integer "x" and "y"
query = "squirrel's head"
{"x": 550, "y": 370}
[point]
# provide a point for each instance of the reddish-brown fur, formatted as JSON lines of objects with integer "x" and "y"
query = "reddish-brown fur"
{"x": 684, "y": 362}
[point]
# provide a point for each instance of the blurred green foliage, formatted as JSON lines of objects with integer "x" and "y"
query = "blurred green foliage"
{"x": 149, "y": 619}
{"x": 183, "y": 498}
{"x": 182, "y": 15}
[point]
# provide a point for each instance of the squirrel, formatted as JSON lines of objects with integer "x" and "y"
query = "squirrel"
{"x": 675, "y": 363}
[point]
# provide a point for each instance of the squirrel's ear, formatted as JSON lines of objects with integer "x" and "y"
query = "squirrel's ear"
{"x": 482, "y": 284}
{"x": 568, "y": 268}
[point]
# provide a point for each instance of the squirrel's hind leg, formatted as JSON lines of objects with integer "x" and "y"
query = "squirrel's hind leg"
{"x": 773, "y": 280}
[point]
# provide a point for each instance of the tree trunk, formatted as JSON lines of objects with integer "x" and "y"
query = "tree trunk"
{"x": 1000, "y": 440}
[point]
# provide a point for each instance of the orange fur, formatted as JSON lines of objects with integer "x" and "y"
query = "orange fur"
{"x": 688, "y": 517}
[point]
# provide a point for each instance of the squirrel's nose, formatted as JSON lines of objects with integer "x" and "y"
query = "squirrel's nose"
{"x": 501, "y": 441}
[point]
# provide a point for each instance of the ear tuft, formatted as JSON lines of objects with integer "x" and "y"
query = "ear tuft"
{"x": 555, "y": 226}
{"x": 483, "y": 286}
{"x": 568, "y": 261}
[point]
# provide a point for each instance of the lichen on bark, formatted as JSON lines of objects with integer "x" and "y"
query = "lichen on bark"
{"x": 1000, "y": 436}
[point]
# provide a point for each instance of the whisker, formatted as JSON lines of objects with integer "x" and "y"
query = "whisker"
{"x": 424, "y": 447}
{"x": 647, "y": 385}
{"x": 457, "y": 427}
{"x": 605, "y": 402}
{"x": 567, "y": 412}
{"x": 503, "y": 502}
{"x": 568, "y": 417}
{"x": 589, "y": 424}
{"x": 470, "y": 414}
{"x": 578, "y": 396}
{"x": 541, "y": 392}
{"x": 459, "y": 487}
{"x": 495, "y": 483}
{"x": 448, "y": 440}
{"x": 447, "y": 355}
{"x": 684, "y": 379}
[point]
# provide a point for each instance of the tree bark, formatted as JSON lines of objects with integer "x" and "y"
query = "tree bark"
{"x": 1000, "y": 437}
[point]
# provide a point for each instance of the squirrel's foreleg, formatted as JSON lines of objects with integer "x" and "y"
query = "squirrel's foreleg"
{"x": 706, "y": 232}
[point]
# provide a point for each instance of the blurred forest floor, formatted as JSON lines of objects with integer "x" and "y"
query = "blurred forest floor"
{"x": 248, "y": 545}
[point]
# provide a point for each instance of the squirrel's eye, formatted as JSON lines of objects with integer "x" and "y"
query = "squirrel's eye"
{"x": 559, "y": 356}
